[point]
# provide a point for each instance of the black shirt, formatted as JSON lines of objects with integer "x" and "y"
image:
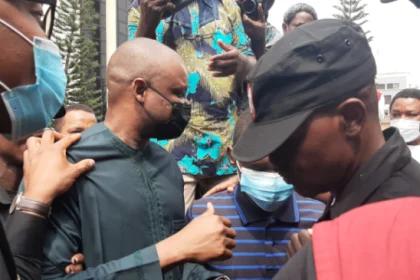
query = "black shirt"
{"x": 390, "y": 173}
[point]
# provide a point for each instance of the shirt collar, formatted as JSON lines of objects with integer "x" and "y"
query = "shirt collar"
{"x": 250, "y": 213}
{"x": 391, "y": 157}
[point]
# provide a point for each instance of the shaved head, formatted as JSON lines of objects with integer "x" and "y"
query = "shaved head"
{"x": 144, "y": 80}
{"x": 140, "y": 58}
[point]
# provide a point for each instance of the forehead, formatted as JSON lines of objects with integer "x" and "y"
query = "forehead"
{"x": 406, "y": 104}
{"x": 78, "y": 116}
{"x": 302, "y": 17}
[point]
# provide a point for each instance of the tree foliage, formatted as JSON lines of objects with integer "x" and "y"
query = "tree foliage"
{"x": 74, "y": 32}
{"x": 354, "y": 11}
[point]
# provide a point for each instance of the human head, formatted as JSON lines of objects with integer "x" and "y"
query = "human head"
{"x": 241, "y": 125}
{"x": 259, "y": 180}
{"x": 40, "y": 100}
{"x": 331, "y": 144}
{"x": 78, "y": 118}
{"x": 298, "y": 15}
{"x": 405, "y": 113}
{"x": 322, "y": 124}
{"x": 16, "y": 56}
{"x": 143, "y": 89}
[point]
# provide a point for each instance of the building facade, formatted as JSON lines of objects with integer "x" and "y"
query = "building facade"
{"x": 389, "y": 84}
{"x": 112, "y": 32}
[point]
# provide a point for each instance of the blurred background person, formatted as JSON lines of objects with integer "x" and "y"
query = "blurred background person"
{"x": 78, "y": 118}
{"x": 298, "y": 15}
{"x": 263, "y": 35}
{"x": 210, "y": 38}
{"x": 405, "y": 115}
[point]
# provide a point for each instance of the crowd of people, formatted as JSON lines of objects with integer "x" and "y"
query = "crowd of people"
{"x": 237, "y": 152}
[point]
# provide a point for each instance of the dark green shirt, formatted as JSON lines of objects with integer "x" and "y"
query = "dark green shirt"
{"x": 116, "y": 213}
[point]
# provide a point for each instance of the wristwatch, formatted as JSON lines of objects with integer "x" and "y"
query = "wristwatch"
{"x": 21, "y": 203}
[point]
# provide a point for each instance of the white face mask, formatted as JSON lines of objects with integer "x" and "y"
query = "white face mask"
{"x": 409, "y": 129}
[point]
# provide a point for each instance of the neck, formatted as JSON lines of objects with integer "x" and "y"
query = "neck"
{"x": 129, "y": 132}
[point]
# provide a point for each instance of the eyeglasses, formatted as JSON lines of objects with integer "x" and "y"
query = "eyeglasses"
{"x": 47, "y": 20}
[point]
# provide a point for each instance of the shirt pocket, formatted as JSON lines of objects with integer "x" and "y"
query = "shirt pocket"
{"x": 177, "y": 225}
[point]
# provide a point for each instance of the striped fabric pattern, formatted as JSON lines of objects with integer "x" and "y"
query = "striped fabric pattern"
{"x": 261, "y": 241}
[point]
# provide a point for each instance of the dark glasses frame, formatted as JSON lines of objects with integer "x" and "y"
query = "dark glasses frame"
{"x": 49, "y": 16}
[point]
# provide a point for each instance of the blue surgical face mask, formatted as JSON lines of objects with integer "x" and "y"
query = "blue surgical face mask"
{"x": 32, "y": 107}
{"x": 267, "y": 190}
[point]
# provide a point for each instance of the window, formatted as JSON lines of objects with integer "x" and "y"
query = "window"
{"x": 387, "y": 99}
{"x": 380, "y": 86}
{"x": 393, "y": 86}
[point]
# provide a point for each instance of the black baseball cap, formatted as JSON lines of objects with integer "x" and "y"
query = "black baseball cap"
{"x": 318, "y": 64}
{"x": 415, "y": 2}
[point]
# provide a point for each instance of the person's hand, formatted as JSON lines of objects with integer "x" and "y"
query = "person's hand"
{"x": 228, "y": 63}
{"x": 255, "y": 28}
{"x": 151, "y": 12}
{"x": 77, "y": 264}
{"x": 47, "y": 172}
{"x": 323, "y": 197}
{"x": 228, "y": 185}
{"x": 208, "y": 238}
{"x": 297, "y": 241}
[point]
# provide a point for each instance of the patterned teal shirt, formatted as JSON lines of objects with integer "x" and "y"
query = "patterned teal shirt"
{"x": 193, "y": 32}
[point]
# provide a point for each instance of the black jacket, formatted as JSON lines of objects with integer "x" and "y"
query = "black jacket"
{"x": 21, "y": 241}
{"x": 390, "y": 173}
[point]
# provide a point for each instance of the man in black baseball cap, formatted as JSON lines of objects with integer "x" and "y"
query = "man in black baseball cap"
{"x": 315, "y": 112}
{"x": 415, "y": 2}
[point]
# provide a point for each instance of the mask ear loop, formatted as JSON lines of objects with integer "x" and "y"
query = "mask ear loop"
{"x": 16, "y": 31}
{"x": 4, "y": 86}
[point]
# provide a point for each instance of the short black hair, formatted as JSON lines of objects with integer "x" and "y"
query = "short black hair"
{"x": 406, "y": 93}
{"x": 72, "y": 107}
{"x": 245, "y": 118}
{"x": 296, "y": 9}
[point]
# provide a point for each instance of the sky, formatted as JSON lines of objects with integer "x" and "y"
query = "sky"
{"x": 394, "y": 27}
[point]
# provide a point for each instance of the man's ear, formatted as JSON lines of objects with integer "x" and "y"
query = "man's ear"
{"x": 353, "y": 112}
{"x": 140, "y": 87}
{"x": 232, "y": 160}
{"x": 284, "y": 28}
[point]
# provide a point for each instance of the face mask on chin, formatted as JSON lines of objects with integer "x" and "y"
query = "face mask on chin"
{"x": 409, "y": 129}
{"x": 175, "y": 126}
{"x": 267, "y": 190}
{"x": 32, "y": 107}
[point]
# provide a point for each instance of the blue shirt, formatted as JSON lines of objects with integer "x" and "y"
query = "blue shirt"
{"x": 262, "y": 237}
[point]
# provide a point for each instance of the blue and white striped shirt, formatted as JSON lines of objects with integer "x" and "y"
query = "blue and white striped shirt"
{"x": 262, "y": 238}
